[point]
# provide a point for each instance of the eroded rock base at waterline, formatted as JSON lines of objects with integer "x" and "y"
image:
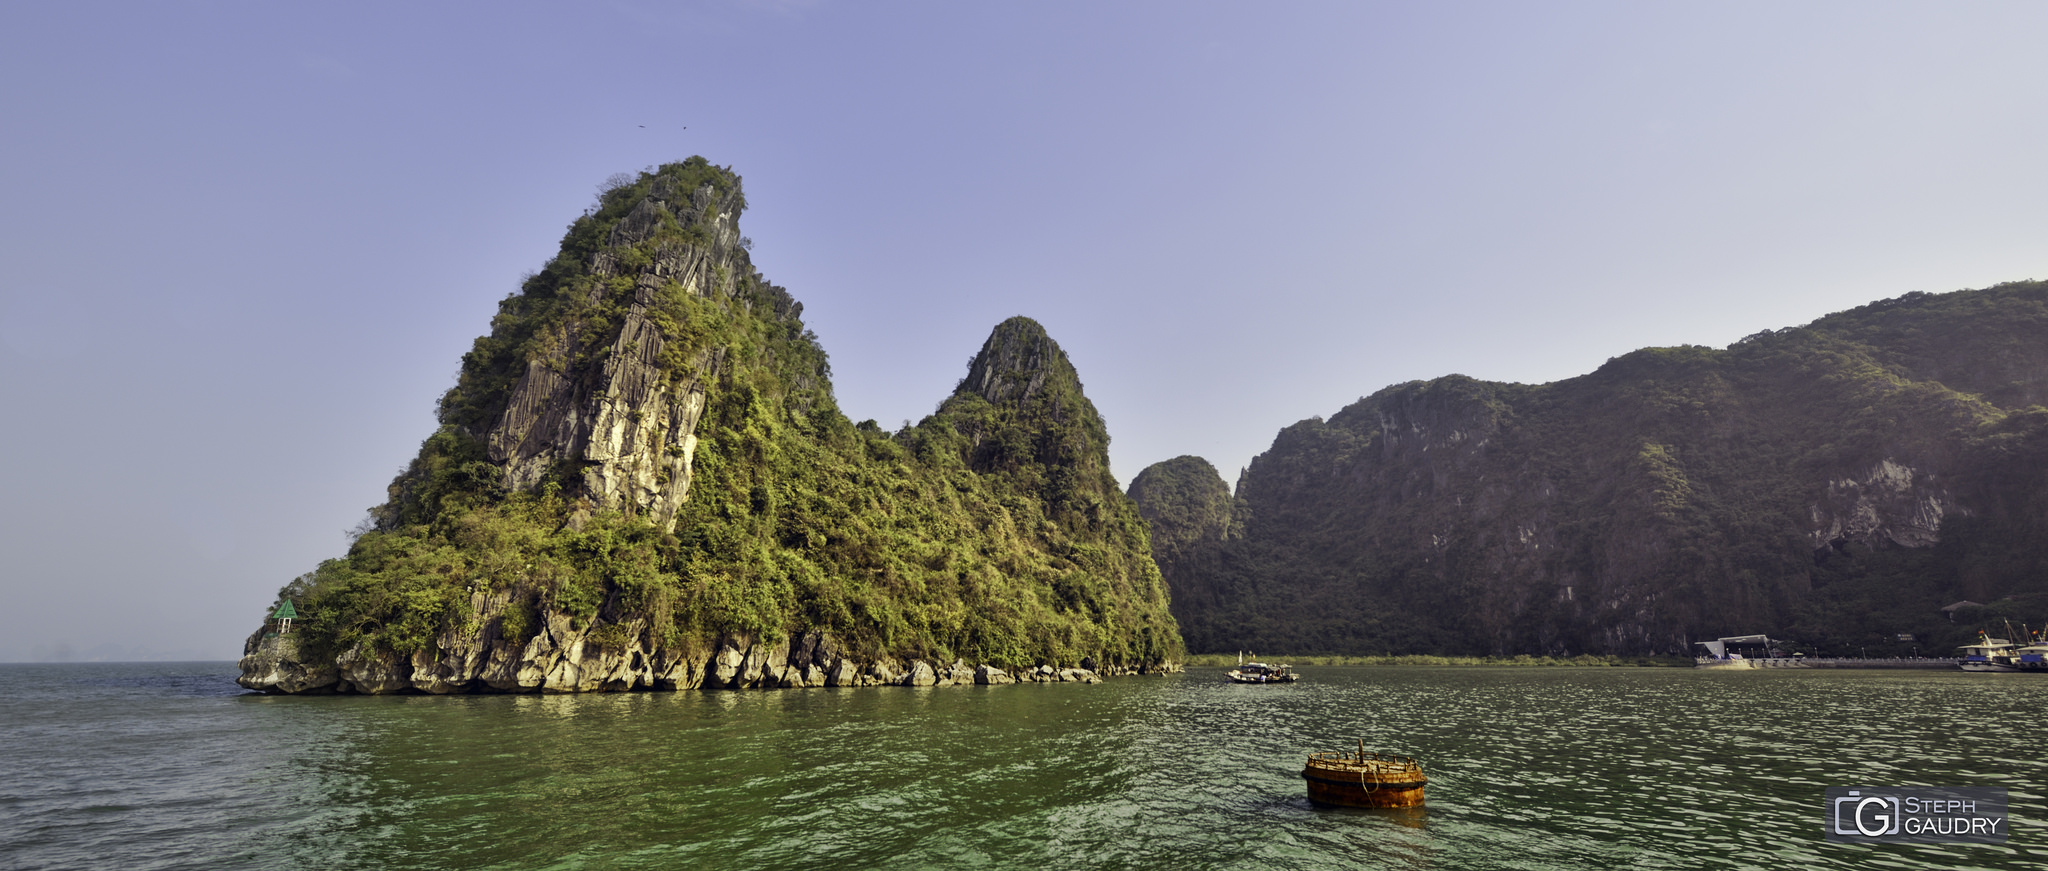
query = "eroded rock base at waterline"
{"x": 561, "y": 660}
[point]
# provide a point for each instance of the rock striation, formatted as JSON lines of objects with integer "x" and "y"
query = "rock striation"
{"x": 1835, "y": 483}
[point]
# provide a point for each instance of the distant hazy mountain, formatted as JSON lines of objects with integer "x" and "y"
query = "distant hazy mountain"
{"x": 1837, "y": 484}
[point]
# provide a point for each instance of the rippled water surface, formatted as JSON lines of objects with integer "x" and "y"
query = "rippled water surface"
{"x": 171, "y": 766}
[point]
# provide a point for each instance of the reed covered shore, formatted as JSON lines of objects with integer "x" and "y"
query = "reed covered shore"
{"x": 1581, "y": 661}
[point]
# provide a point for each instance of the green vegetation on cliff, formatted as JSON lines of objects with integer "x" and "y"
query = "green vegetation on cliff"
{"x": 1836, "y": 484}
{"x": 1191, "y": 514}
{"x": 990, "y": 531}
{"x": 1186, "y": 502}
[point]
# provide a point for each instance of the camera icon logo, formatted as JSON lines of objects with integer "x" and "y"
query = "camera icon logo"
{"x": 1871, "y": 816}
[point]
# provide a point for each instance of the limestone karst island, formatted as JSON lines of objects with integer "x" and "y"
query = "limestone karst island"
{"x": 640, "y": 480}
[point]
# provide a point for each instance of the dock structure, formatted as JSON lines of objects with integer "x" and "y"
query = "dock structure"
{"x": 1736, "y": 651}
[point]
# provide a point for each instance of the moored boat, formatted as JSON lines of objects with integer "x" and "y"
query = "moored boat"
{"x": 1259, "y": 672}
{"x": 2033, "y": 657}
{"x": 1988, "y": 654}
{"x": 1364, "y": 779}
{"x": 2031, "y": 654}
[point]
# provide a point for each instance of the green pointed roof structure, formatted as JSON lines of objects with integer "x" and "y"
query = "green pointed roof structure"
{"x": 285, "y": 611}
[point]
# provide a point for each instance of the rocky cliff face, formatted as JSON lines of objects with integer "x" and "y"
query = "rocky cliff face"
{"x": 1890, "y": 503}
{"x": 564, "y": 659}
{"x": 1015, "y": 362}
{"x": 620, "y": 420}
{"x": 1814, "y": 483}
{"x": 642, "y": 481}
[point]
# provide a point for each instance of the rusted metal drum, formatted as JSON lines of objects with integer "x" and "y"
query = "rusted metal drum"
{"x": 1364, "y": 779}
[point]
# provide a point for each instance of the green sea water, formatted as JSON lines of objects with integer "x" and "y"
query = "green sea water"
{"x": 140, "y": 766}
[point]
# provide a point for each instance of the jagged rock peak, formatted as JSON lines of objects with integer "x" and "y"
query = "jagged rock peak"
{"x": 597, "y": 371}
{"x": 1016, "y": 363}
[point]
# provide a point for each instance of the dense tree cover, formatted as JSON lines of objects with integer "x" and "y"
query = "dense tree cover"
{"x": 1185, "y": 501}
{"x": 1190, "y": 512}
{"x": 1792, "y": 483}
{"x": 990, "y": 530}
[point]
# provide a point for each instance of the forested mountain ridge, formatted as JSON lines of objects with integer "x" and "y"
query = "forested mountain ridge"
{"x": 1836, "y": 484}
{"x": 641, "y": 480}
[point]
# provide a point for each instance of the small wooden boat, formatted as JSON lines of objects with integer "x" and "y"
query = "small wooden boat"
{"x": 1259, "y": 672}
{"x": 1364, "y": 779}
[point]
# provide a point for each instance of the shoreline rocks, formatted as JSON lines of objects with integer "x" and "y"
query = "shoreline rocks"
{"x": 561, "y": 658}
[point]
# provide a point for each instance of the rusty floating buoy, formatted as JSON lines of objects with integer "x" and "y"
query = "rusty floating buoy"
{"x": 1364, "y": 779}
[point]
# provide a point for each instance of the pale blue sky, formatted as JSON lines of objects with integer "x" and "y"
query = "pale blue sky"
{"x": 245, "y": 244}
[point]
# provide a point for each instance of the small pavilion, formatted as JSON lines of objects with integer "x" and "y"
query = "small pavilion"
{"x": 284, "y": 615}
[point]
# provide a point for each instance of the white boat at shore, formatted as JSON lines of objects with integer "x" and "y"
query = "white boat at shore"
{"x": 2033, "y": 657}
{"x": 1988, "y": 654}
{"x": 1259, "y": 672}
